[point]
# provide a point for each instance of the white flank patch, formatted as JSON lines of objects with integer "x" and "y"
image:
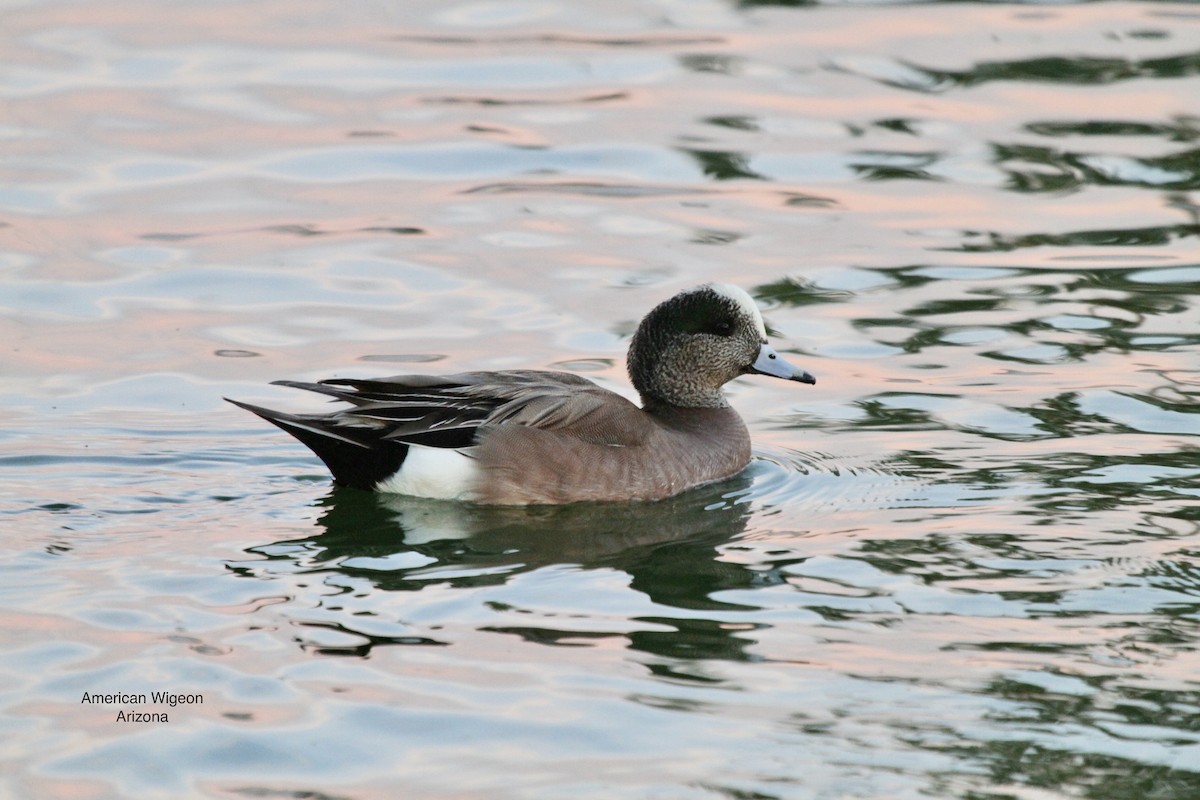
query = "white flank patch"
{"x": 738, "y": 295}
{"x": 436, "y": 472}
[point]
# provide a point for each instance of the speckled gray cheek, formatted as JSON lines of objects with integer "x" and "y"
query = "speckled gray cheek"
{"x": 701, "y": 365}
{"x": 675, "y": 359}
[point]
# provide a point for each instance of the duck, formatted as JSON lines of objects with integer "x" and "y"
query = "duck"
{"x": 540, "y": 437}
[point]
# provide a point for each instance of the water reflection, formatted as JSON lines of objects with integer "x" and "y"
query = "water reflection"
{"x": 1082, "y": 70}
{"x": 1086, "y": 727}
{"x": 1112, "y": 308}
{"x": 964, "y": 567}
{"x": 907, "y": 74}
{"x": 668, "y": 550}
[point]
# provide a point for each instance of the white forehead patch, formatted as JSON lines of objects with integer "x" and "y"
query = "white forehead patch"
{"x": 738, "y": 295}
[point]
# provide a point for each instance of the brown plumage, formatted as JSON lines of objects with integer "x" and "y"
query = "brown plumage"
{"x": 532, "y": 437}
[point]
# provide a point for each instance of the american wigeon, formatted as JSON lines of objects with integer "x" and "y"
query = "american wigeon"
{"x": 536, "y": 437}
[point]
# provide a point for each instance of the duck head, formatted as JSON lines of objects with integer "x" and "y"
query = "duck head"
{"x": 690, "y": 346}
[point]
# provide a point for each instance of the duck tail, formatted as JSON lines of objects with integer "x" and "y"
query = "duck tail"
{"x": 356, "y": 456}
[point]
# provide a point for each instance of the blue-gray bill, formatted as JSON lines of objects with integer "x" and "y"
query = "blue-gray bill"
{"x": 771, "y": 363}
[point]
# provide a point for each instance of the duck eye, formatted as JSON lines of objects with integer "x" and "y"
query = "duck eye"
{"x": 722, "y": 327}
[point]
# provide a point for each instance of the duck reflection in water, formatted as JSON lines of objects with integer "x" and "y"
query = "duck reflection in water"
{"x": 670, "y": 549}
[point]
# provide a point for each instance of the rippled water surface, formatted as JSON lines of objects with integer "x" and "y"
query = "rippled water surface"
{"x": 966, "y": 564}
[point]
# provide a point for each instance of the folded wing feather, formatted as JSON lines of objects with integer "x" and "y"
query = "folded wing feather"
{"x": 448, "y": 411}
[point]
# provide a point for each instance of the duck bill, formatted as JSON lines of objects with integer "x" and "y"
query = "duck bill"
{"x": 771, "y": 363}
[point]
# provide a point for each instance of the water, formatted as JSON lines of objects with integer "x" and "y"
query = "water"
{"x": 964, "y": 565}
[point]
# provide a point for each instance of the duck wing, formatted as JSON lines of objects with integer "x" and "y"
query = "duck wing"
{"x": 449, "y": 410}
{"x": 369, "y": 441}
